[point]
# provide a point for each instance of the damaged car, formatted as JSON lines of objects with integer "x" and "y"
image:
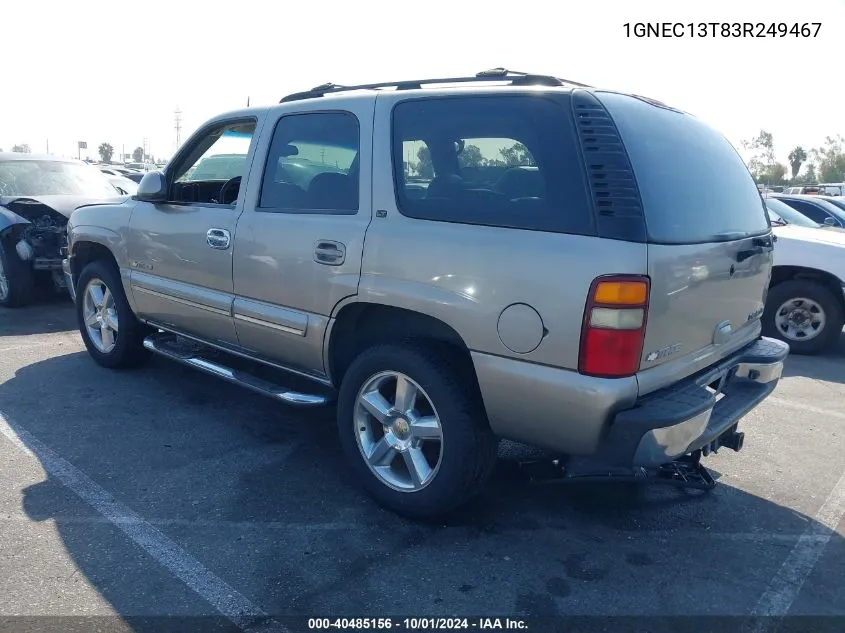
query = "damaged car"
{"x": 37, "y": 195}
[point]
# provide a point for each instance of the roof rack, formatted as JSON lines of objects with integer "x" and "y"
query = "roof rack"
{"x": 494, "y": 74}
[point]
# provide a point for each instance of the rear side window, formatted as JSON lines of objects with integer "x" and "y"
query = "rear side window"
{"x": 313, "y": 165}
{"x": 497, "y": 161}
{"x": 693, "y": 184}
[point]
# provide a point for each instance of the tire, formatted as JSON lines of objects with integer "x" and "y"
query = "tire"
{"x": 19, "y": 287}
{"x": 468, "y": 448}
{"x": 127, "y": 349}
{"x": 796, "y": 289}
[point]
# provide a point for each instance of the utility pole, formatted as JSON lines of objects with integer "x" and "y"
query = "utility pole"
{"x": 178, "y": 118}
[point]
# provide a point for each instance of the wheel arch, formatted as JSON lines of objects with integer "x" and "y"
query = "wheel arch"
{"x": 359, "y": 325}
{"x": 830, "y": 281}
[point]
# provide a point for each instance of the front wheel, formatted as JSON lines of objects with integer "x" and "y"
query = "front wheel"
{"x": 805, "y": 315}
{"x": 414, "y": 430}
{"x": 110, "y": 331}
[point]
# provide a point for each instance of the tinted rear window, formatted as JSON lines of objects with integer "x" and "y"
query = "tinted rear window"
{"x": 694, "y": 186}
{"x": 505, "y": 161}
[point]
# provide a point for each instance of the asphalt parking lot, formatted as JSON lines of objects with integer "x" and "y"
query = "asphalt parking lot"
{"x": 161, "y": 491}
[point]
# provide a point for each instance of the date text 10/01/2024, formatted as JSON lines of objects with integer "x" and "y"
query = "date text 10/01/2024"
{"x": 721, "y": 29}
{"x": 417, "y": 624}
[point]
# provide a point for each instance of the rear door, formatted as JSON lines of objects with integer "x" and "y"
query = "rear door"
{"x": 709, "y": 239}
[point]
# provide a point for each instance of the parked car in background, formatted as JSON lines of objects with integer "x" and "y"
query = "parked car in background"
{"x": 37, "y": 196}
{"x": 122, "y": 172}
{"x": 805, "y": 306}
{"x": 816, "y": 208}
{"x": 802, "y": 190}
{"x": 838, "y": 202}
{"x": 832, "y": 189}
{"x": 781, "y": 214}
{"x": 124, "y": 185}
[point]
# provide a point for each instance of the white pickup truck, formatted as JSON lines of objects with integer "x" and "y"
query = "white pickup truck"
{"x": 805, "y": 306}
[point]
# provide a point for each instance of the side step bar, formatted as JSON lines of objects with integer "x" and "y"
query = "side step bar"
{"x": 167, "y": 346}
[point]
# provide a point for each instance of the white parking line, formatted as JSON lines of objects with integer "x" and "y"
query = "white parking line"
{"x": 783, "y": 402}
{"x": 226, "y": 600}
{"x": 787, "y": 582}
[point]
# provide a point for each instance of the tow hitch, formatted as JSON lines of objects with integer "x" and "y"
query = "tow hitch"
{"x": 685, "y": 472}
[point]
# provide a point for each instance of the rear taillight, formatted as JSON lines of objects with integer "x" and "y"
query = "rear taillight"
{"x": 614, "y": 326}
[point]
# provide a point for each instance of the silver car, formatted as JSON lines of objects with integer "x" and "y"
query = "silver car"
{"x": 455, "y": 261}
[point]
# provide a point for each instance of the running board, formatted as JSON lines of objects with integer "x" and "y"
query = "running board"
{"x": 166, "y": 345}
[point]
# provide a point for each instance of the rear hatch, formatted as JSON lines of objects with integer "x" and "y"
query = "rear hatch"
{"x": 709, "y": 239}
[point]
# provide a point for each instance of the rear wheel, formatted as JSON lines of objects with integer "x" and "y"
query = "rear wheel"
{"x": 803, "y": 314}
{"x": 110, "y": 331}
{"x": 413, "y": 430}
{"x": 17, "y": 283}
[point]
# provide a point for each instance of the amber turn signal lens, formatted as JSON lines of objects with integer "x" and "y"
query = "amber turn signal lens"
{"x": 631, "y": 293}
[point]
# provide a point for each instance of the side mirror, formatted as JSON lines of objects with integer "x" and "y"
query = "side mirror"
{"x": 152, "y": 188}
{"x": 828, "y": 221}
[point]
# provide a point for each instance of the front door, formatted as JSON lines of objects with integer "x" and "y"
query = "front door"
{"x": 300, "y": 240}
{"x": 180, "y": 251}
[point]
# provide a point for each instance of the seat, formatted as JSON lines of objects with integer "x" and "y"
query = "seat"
{"x": 445, "y": 186}
{"x": 521, "y": 182}
{"x": 331, "y": 190}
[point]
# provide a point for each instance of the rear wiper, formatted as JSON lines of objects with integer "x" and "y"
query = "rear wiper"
{"x": 727, "y": 236}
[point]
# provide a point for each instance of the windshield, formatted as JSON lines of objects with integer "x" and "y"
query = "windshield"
{"x": 51, "y": 178}
{"x": 781, "y": 211}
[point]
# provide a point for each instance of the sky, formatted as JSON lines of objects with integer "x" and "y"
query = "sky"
{"x": 93, "y": 71}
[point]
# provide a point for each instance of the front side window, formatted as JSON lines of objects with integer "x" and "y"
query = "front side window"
{"x": 212, "y": 171}
{"x": 497, "y": 161}
{"x": 313, "y": 165}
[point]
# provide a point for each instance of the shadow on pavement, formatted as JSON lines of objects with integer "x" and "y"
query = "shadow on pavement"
{"x": 828, "y": 366}
{"x": 259, "y": 494}
{"x": 54, "y": 314}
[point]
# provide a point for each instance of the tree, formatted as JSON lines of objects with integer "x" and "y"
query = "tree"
{"x": 21, "y": 149}
{"x": 138, "y": 154}
{"x": 471, "y": 157}
{"x": 810, "y": 174}
{"x": 106, "y": 151}
{"x": 830, "y": 159}
{"x": 425, "y": 167}
{"x": 796, "y": 158}
{"x": 516, "y": 154}
{"x": 775, "y": 173}
{"x": 763, "y": 159}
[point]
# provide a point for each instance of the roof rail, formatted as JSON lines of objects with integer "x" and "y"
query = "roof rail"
{"x": 494, "y": 74}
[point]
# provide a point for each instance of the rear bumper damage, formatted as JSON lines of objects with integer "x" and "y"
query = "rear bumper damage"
{"x": 697, "y": 414}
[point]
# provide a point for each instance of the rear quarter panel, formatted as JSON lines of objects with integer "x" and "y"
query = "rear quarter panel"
{"x": 468, "y": 275}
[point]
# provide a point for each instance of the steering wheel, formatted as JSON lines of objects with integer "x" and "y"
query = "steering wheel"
{"x": 229, "y": 184}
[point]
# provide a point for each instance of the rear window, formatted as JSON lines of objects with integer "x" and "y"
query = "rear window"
{"x": 694, "y": 186}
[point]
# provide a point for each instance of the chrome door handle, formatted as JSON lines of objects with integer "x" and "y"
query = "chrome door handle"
{"x": 218, "y": 238}
{"x": 329, "y": 252}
